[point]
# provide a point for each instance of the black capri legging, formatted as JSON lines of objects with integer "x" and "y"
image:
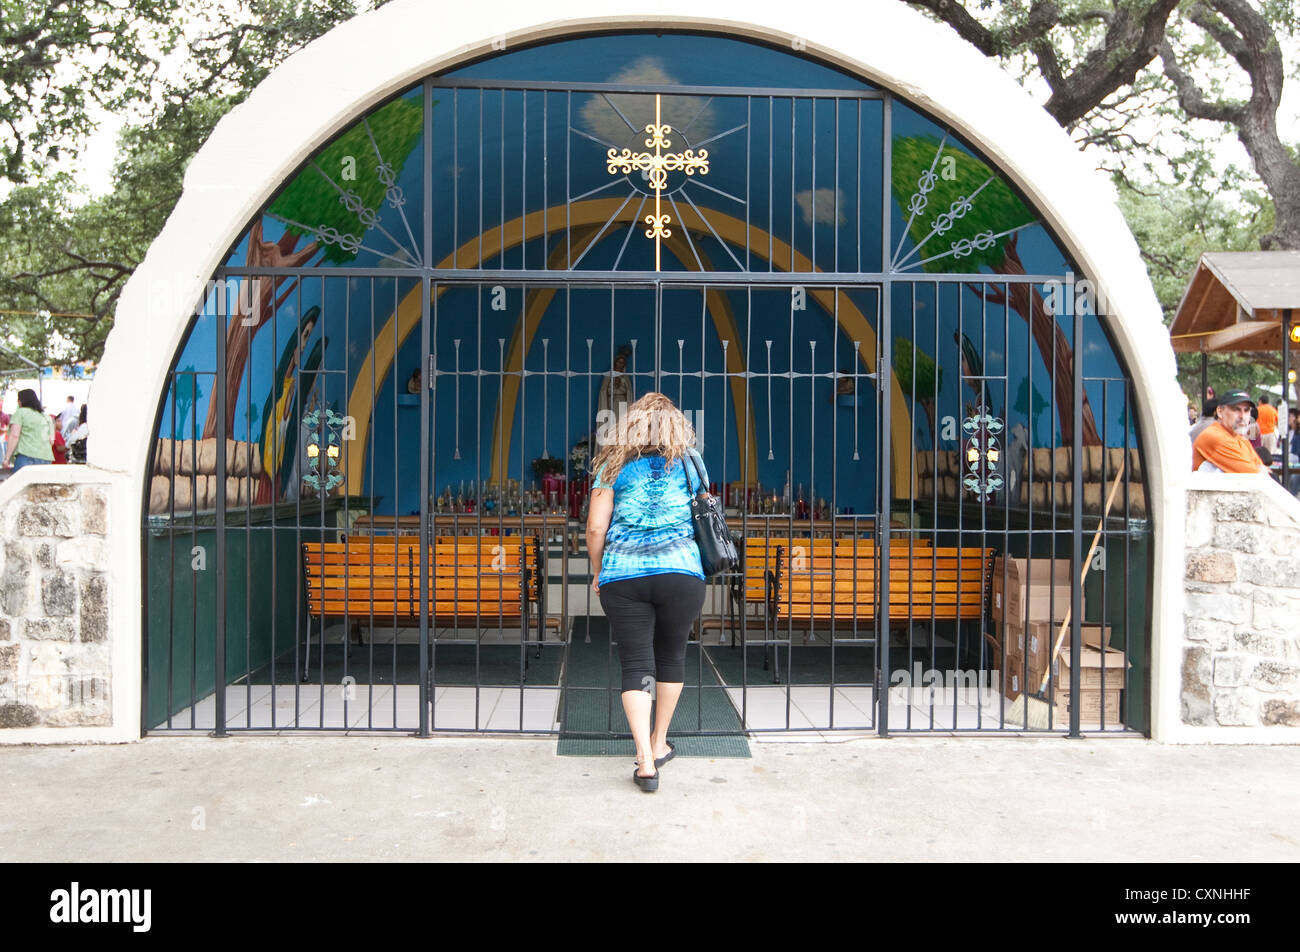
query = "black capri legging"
{"x": 650, "y": 617}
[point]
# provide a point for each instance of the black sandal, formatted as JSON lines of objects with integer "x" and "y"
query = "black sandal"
{"x": 672, "y": 752}
{"x": 648, "y": 784}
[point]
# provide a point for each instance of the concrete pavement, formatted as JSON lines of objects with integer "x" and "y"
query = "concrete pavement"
{"x": 471, "y": 798}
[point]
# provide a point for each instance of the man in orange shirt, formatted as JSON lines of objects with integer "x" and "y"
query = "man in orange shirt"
{"x": 1267, "y": 425}
{"x": 1221, "y": 447}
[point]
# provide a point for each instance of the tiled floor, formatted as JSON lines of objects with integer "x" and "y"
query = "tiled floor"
{"x": 805, "y": 711}
{"x": 377, "y": 708}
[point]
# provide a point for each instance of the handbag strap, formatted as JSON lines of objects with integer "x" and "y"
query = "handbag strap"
{"x": 699, "y": 476}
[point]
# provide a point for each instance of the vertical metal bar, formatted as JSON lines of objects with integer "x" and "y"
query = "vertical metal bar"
{"x": 219, "y": 394}
{"x": 883, "y": 416}
{"x": 428, "y": 446}
{"x": 1076, "y": 531}
{"x": 455, "y": 182}
{"x": 426, "y": 466}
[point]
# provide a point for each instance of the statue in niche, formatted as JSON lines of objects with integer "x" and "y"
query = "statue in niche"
{"x": 617, "y": 391}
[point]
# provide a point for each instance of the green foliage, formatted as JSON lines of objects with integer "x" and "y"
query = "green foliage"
{"x": 956, "y": 177}
{"x": 312, "y": 200}
{"x": 61, "y": 256}
{"x": 60, "y": 59}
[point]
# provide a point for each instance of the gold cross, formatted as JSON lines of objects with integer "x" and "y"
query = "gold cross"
{"x": 658, "y": 166}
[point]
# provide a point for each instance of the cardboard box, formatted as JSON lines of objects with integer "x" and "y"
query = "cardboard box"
{"x": 1013, "y": 677}
{"x": 1092, "y": 704}
{"x": 1036, "y": 641}
{"x": 1092, "y": 663}
{"x": 1043, "y": 583}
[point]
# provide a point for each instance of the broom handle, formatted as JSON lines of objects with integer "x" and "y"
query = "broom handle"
{"x": 1087, "y": 564}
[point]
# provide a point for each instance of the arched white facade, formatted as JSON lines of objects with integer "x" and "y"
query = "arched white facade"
{"x": 321, "y": 90}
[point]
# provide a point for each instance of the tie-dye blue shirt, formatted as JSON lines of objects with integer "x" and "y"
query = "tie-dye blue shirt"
{"x": 650, "y": 531}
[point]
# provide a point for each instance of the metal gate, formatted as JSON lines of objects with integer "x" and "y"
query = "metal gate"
{"x": 850, "y": 303}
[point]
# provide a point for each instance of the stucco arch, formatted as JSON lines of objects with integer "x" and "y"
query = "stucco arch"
{"x": 319, "y": 91}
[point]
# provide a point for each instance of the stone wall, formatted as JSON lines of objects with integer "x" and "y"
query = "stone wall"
{"x": 1241, "y": 648}
{"x": 55, "y": 651}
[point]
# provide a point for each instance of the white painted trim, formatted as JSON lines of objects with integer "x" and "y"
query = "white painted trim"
{"x": 319, "y": 91}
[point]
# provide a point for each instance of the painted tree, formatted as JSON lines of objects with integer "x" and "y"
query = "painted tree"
{"x": 961, "y": 215}
{"x": 337, "y": 202}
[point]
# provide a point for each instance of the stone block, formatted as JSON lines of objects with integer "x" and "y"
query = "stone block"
{"x": 1200, "y": 520}
{"x": 1284, "y": 542}
{"x": 1236, "y": 708}
{"x": 45, "y": 555}
{"x": 1274, "y": 613}
{"x": 1263, "y": 646}
{"x": 49, "y": 492}
{"x": 1196, "y": 687}
{"x": 1238, "y": 507}
{"x": 59, "y": 594}
{"x": 9, "y": 662}
{"x": 47, "y": 520}
{"x": 1275, "y": 676}
{"x": 1279, "y": 712}
{"x": 4, "y": 629}
{"x": 18, "y": 715}
{"x": 50, "y": 629}
{"x": 1232, "y": 670}
{"x": 1236, "y": 537}
{"x": 82, "y": 552}
{"x": 13, "y": 584}
{"x": 1211, "y": 566}
{"x": 94, "y": 608}
{"x": 1236, "y": 609}
{"x": 1213, "y": 633}
{"x": 94, "y": 511}
{"x": 1269, "y": 571}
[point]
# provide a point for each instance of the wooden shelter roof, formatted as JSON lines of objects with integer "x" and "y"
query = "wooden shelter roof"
{"x": 1235, "y": 302}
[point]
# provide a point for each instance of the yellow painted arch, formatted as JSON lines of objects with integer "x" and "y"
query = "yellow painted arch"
{"x": 596, "y": 212}
{"x": 724, "y": 324}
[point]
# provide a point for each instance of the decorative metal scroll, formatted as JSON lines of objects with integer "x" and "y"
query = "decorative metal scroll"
{"x": 323, "y": 450}
{"x": 982, "y": 453}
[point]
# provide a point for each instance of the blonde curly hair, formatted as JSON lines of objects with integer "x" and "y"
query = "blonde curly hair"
{"x": 652, "y": 426}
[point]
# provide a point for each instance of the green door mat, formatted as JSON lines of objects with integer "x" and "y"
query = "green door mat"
{"x": 705, "y": 723}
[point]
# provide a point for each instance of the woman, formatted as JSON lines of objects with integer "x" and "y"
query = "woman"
{"x": 31, "y": 433}
{"x": 650, "y": 582}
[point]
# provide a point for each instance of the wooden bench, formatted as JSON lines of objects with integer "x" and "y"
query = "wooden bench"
{"x": 472, "y": 580}
{"x": 925, "y": 584}
{"x": 753, "y": 590}
{"x": 534, "y": 558}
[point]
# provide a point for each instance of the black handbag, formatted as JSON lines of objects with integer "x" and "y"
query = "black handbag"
{"x": 716, "y": 542}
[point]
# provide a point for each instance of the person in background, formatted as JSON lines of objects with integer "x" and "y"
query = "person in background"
{"x": 31, "y": 433}
{"x": 77, "y": 439}
{"x": 58, "y": 446}
{"x": 1207, "y": 419}
{"x": 4, "y": 432}
{"x": 68, "y": 416}
{"x": 1292, "y": 445}
{"x": 1267, "y": 425}
{"x": 1223, "y": 447}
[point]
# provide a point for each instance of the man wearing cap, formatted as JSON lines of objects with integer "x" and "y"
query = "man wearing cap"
{"x": 1222, "y": 447}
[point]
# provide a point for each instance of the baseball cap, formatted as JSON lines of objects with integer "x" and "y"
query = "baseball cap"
{"x": 1233, "y": 397}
